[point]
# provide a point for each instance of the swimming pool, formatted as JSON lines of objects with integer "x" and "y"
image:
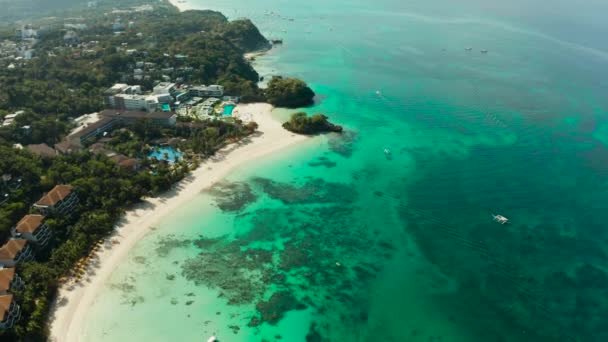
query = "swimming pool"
{"x": 167, "y": 153}
{"x": 228, "y": 109}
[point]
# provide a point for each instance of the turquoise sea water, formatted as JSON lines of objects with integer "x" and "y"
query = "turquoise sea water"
{"x": 336, "y": 241}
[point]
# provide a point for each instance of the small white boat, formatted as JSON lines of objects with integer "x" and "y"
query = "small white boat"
{"x": 484, "y": 51}
{"x": 378, "y": 92}
{"x": 387, "y": 151}
{"x": 212, "y": 339}
{"x": 469, "y": 49}
{"x": 500, "y": 219}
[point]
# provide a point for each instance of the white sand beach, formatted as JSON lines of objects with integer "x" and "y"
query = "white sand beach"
{"x": 75, "y": 299}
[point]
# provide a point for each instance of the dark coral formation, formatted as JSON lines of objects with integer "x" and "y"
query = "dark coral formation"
{"x": 232, "y": 196}
{"x": 343, "y": 144}
{"x": 273, "y": 310}
{"x": 313, "y": 191}
{"x": 204, "y": 242}
{"x": 322, "y": 161}
{"x": 227, "y": 269}
{"x": 313, "y": 334}
{"x": 169, "y": 243}
{"x": 304, "y": 254}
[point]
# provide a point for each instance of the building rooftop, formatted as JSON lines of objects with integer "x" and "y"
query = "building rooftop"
{"x": 117, "y": 88}
{"x": 42, "y": 150}
{"x": 67, "y": 146}
{"x": 10, "y": 249}
{"x": 124, "y": 161}
{"x": 92, "y": 127}
{"x": 164, "y": 87}
{"x": 209, "y": 87}
{"x": 113, "y": 113}
{"x": 29, "y": 224}
{"x": 5, "y": 305}
{"x": 6, "y": 277}
{"x": 55, "y": 196}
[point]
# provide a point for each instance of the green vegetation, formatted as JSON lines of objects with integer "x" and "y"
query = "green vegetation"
{"x": 289, "y": 92}
{"x": 105, "y": 191}
{"x": 67, "y": 80}
{"x": 43, "y": 129}
{"x": 304, "y": 124}
{"x": 245, "y": 35}
{"x": 26, "y": 9}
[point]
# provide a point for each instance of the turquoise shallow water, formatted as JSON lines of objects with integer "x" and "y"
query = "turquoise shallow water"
{"x": 337, "y": 241}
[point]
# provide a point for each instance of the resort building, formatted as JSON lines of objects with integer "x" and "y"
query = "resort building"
{"x": 128, "y": 117}
{"x": 148, "y": 103}
{"x": 87, "y": 134}
{"x": 181, "y": 97}
{"x": 9, "y": 311}
{"x": 206, "y": 91}
{"x": 109, "y": 119}
{"x": 62, "y": 200}
{"x": 207, "y": 107}
{"x": 9, "y": 281}
{"x": 33, "y": 229}
{"x": 14, "y": 252}
{"x": 165, "y": 88}
{"x": 119, "y": 88}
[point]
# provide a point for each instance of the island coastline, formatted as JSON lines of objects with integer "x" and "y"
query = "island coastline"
{"x": 74, "y": 300}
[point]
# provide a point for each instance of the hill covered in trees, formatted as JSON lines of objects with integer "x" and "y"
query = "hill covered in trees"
{"x": 315, "y": 124}
{"x": 68, "y": 79}
{"x": 289, "y": 92}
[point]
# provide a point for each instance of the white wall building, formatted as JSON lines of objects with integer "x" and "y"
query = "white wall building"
{"x": 165, "y": 88}
{"x": 207, "y": 91}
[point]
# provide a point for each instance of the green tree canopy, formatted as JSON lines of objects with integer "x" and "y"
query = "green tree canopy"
{"x": 289, "y": 92}
{"x": 304, "y": 124}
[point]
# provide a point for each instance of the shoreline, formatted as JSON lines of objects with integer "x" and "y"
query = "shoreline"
{"x": 73, "y": 300}
{"x": 180, "y": 6}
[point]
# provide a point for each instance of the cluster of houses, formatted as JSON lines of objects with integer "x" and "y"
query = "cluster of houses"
{"x": 29, "y": 235}
{"x": 107, "y": 120}
{"x": 17, "y": 51}
{"x": 145, "y": 70}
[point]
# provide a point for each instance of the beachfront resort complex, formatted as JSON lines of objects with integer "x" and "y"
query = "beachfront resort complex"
{"x": 107, "y": 109}
{"x": 185, "y": 99}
